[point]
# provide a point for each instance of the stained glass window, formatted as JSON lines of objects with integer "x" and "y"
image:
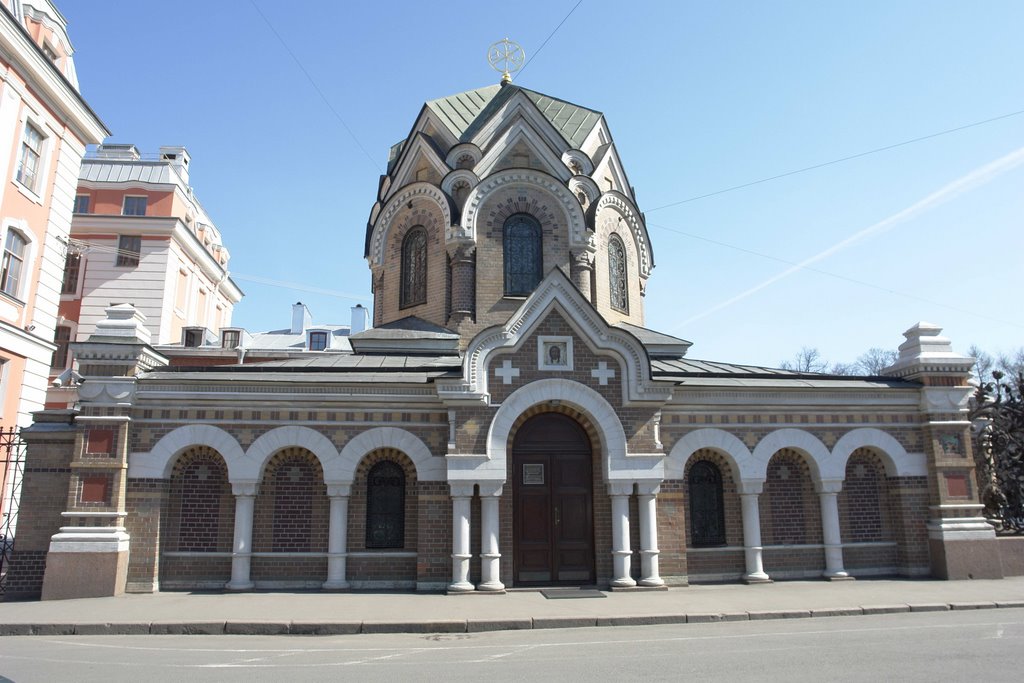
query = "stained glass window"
{"x": 619, "y": 294}
{"x": 707, "y": 510}
{"x": 523, "y": 260}
{"x": 385, "y": 506}
{"x": 414, "y": 267}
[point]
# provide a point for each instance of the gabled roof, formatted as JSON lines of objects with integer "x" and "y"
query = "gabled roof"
{"x": 465, "y": 112}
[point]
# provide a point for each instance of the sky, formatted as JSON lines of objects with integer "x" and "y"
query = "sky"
{"x": 288, "y": 110}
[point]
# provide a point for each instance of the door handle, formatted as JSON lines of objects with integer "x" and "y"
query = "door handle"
{"x": 558, "y": 516}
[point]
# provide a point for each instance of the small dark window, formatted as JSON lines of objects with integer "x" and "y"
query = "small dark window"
{"x": 129, "y": 247}
{"x": 317, "y": 341}
{"x": 82, "y": 203}
{"x": 707, "y": 509}
{"x": 385, "y": 506}
{"x": 193, "y": 338}
{"x": 523, "y": 258}
{"x": 72, "y": 268}
{"x": 414, "y": 268}
{"x": 62, "y": 338}
{"x": 229, "y": 339}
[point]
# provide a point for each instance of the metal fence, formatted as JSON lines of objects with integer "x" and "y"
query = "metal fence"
{"x": 12, "y": 467}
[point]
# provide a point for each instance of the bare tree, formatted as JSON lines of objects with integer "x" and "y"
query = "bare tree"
{"x": 807, "y": 360}
{"x": 874, "y": 360}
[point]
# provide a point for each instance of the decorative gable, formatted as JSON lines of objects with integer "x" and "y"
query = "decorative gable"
{"x": 556, "y": 298}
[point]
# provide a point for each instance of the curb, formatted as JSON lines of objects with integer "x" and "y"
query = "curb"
{"x": 332, "y": 628}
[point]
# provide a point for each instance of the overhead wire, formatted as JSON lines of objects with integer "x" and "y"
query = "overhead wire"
{"x": 316, "y": 87}
{"x": 840, "y": 160}
{"x": 550, "y": 35}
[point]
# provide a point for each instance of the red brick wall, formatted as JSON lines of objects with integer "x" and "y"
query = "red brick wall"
{"x": 716, "y": 562}
{"x": 200, "y": 515}
{"x": 790, "y": 515}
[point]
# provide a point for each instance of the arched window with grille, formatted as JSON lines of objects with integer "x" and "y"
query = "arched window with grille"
{"x": 414, "y": 267}
{"x": 523, "y": 258}
{"x": 619, "y": 292}
{"x": 385, "y": 506}
{"x": 707, "y": 508}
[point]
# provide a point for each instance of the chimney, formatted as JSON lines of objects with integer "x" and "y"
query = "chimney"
{"x": 119, "y": 151}
{"x": 360, "y": 319}
{"x": 301, "y": 319}
{"x": 178, "y": 158}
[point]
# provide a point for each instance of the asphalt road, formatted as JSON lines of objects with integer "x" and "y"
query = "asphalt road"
{"x": 983, "y": 645}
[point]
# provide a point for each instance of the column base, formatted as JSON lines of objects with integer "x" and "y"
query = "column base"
{"x": 461, "y": 588}
{"x": 336, "y": 586}
{"x": 838, "y": 576}
{"x": 493, "y": 588}
{"x": 651, "y": 583}
{"x": 756, "y": 578}
{"x": 239, "y": 587}
{"x": 623, "y": 583}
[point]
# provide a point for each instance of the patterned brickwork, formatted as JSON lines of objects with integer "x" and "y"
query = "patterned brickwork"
{"x": 434, "y": 521}
{"x": 201, "y": 507}
{"x": 864, "y": 506}
{"x": 672, "y": 521}
{"x": 291, "y": 508}
{"x": 790, "y": 512}
{"x": 44, "y": 492}
{"x": 384, "y": 569}
{"x": 910, "y": 517}
{"x": 146, "y": 502}
{"x": 719, "y": 562}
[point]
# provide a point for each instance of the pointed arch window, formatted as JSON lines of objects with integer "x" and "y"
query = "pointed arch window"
{"x": 619, "y": 294}
{"x": 523, "y": 260}
{"x": 414, "y": 267}
{"x": 707, "y": 508}
{"x": 385, "y": 506}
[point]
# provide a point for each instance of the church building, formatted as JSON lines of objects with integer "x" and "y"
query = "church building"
{"x": 508, "y": 420}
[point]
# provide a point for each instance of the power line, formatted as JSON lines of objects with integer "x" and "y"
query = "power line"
{"x": 315, "y": 86}
{"x": 530, "y": 59}
{"x": 837, "y": 276}
{"x": 838, "y": 161}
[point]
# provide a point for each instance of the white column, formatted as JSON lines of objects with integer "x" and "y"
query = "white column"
{"x": 649, "y": 535}
{"x": 749, "y": 491}
{"x": 621, "y": 553}
{"x": 828, "y": 492}
{"x": 337, "y": 537}
{"x": 490, "y": 558}
{"x": 462, "y": 496}
{"x": 241, "y": 552}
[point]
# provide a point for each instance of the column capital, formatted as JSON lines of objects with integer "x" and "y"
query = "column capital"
{"x": 244, "y": 488}
{"x": 829, "y": 486}
{"x": 648, "y": 488}
{"x": 339, "y": 490}
{"x": 490, "y": 488}
{"x": 751, "y": 487}
{"x": 462, "y": 489}
{"x": 620, "y": 488}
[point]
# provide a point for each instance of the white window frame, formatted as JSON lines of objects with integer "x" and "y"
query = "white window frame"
{"x": 309, "y": 339}
{"x": 124, "y": 204}
{"x": 42, "y": 172}
{"x": 27, "y": 262}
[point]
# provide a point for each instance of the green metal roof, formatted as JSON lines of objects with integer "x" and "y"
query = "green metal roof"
{"x": 465, "y": 112}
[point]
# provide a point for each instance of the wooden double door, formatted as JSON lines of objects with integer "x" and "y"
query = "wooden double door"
{"x": 553, "y": 519}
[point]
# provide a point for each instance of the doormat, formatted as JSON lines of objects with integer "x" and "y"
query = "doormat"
{"x": 568, "y": 593}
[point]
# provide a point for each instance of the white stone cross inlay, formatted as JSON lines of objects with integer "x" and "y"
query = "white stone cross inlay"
{"x": 602, "y": 373}
{"x": 295, "y": 474}
{"x": 506, "y": 372}
{"x": 203, "y": 473}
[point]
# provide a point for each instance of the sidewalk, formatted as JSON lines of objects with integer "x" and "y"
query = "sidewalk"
{"x": 344, "y": 613}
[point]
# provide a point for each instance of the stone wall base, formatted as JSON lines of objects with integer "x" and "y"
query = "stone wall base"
{"x": 84, "y": 575}
{"x": 1011, "y": 551}
{"x": 967, "y": 559}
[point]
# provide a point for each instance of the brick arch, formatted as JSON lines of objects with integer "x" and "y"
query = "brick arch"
{"x": 199, "y": 516}
{"x": 291, "y": 513}
{"x": 259, "y": 453}
{"x": 159, "y": 462}
{"x": 789, "y": 502}
{"x": 358, "y": 497}
{"x": 730, "y": 494}
{"x": 343, "y": 469}
{"x": 617, "y": 465}
{"x": 808, "y": 445}
{"x": 740, "y": 461}
{"x": 864, "y": 504}
{"x": 898, "y": 463}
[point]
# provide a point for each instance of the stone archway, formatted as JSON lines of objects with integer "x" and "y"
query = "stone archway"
{"x": 553, "y": 502}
